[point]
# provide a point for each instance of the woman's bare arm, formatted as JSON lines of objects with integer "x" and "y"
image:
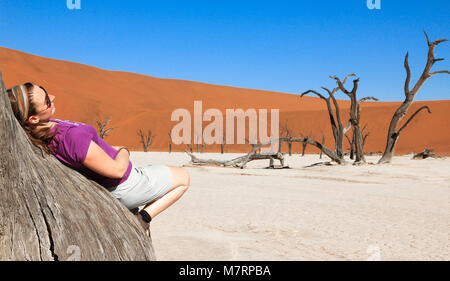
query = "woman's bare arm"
{"x": 98, "y": 161}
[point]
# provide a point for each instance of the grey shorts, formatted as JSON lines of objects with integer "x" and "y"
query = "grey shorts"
{"x": 144, "y": 185}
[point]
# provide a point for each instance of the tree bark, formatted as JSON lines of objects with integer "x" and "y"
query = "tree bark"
{"x": 393, "y": 134}
{"x": 49, "y": 212}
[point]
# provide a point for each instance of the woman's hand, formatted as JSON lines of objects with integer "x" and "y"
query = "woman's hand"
{"x": 116, "y": 147}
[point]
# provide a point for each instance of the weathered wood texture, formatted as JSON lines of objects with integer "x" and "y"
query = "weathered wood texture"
{"x": 50, "y": 212}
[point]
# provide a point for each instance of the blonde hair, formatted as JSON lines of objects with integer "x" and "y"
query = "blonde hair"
{"x": 40, "y": 133}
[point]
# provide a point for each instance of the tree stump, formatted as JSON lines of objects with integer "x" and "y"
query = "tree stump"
{"x": 49, "y": 212}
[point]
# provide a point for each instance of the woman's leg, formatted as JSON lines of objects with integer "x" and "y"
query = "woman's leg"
{"x": 180, "y": 183}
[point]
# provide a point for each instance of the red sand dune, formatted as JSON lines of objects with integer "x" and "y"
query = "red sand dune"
{"x": 86, "y": 94}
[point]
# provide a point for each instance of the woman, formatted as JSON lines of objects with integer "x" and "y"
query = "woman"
{"x": 78, "y": 146}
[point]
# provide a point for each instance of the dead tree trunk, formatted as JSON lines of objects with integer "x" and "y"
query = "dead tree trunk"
{"x": 401, "y": 111}
{"x": 49, "y": 212}
{"x": 355, "y": 117}
{"x": 337, "y": 129}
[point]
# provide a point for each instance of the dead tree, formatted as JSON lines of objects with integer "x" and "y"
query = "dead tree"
{"x": 355, "y": 117}
{"x": 146, "y": 140}
{"x": 49, "y": 212}
{"x": 102, "y": 130}
{"x": 365, "y": 135}
{"x": 170, "y": 142}
{"x": 393, "y": 133}
{"x": 336, "y": 124}
{"x": 222, "y": 145}
{"x": 287, "y": 133}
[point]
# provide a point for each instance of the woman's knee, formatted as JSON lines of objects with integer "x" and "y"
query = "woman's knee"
{"x": 180, "y": 177}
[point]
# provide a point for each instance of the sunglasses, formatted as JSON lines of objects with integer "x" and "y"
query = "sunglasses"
{"x": 48, "y": 102}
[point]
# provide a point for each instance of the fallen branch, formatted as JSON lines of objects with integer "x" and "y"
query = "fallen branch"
{"x": 241, "y": 161}
{"x": 426, "y": 153}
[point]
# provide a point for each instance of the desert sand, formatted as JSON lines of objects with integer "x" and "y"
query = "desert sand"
{"x": 134, "y": 101}
{"x": 397, "y": 211}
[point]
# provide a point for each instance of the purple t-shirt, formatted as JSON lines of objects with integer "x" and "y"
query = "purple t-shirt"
{"x": 74, "y": 139}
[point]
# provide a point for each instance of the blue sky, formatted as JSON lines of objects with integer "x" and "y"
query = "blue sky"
{"x": 286, "y": 46}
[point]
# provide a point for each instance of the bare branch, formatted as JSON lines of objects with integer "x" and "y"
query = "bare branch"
{"x": 408, "y": 74}
{"x": 367, "y": 98}
{"x": 349, "y": 125}
{"x": 428, "y": 40}
{"x": 440, "y": 72}
{"x": 412, "y": 116}
{"x": 434, "y": 43}
{"x": 340, "y": 85}
{"x": 349, "y": 141}
{"x": 348, "y": 76}
{"x": 363, "y": 129}
{"x": 330, "y": 92}
{"x": 314, "y": 92}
